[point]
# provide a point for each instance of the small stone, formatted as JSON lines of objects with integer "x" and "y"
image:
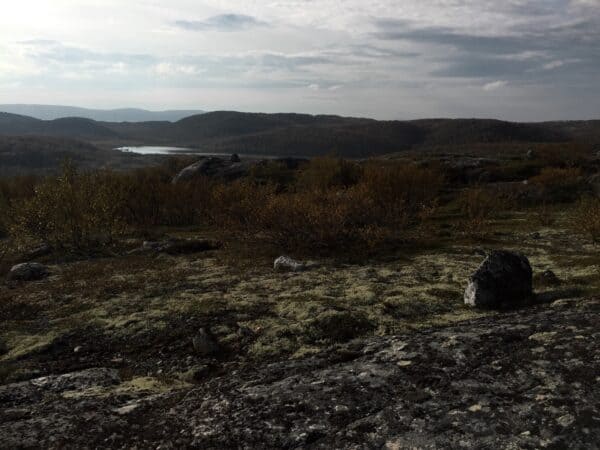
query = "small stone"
{"x": 566, "y": 420}
{"x": 287, "y": 264}
{"x": 127, "y": 408}
{"x": 77, "y": 349}
{"x": 475, "y": 408}
{"x": 543, "y": 337}
{"x": 549, "y": 278}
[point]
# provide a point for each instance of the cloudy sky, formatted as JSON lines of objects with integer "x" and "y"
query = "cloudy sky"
{"x": 392, "y": 59}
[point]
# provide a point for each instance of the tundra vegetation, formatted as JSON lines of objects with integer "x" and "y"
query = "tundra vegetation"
{"x": 393, "y": 241}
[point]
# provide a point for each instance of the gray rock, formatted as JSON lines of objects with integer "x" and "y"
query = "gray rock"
{"x": 549, "y": 278}
{"x": 524, "y": 379}
{"x": 28, "y": 272}
{"x": 530, "y": 155}
{"x": 230, "y": 169}
{"x": 215, "y": 168}
{"x": 204, "y": 343}
{"x": 504, "y": 279}
{"x": 287, "y": 264}
{"x": 235, "y": 158}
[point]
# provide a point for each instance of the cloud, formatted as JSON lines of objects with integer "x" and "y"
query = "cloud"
{"x": 431, "y": 56}
{"x": 494, "y": 86}
{"x": 222, "y": 22}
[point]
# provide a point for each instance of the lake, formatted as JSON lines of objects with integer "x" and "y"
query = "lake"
{"x": 157, "y": 150}
{"x": 150, "y": 150}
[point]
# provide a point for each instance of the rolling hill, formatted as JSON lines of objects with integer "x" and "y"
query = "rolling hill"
{"x": 72, "y": 127}
{"x": 300, "y": 134}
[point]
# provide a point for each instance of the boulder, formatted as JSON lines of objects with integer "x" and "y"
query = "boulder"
{"x": 215, "y": 168}
{"x": 504, "y": 279}
{"x": 287, "y": 264}
{"x": 28, "y": 272}
{"x": 232, "y": 168}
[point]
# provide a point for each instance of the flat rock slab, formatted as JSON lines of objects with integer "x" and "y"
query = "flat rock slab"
{"x": 526, "y": 379}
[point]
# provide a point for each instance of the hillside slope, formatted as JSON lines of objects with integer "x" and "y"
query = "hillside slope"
{"x": 301, "y": 134}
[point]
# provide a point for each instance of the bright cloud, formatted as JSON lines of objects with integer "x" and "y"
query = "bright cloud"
{"x": 384, "y": 58}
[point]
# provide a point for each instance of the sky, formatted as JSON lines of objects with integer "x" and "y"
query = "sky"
{"x": 522, "y": 60}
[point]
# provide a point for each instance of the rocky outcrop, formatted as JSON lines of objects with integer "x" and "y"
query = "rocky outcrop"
{"x": 28, "y": 272}
{"x": 504, "y": 279}
{"x": 215, "y": 168}
{"x": 525, "y": 379}
{"x": 230, "y": 169}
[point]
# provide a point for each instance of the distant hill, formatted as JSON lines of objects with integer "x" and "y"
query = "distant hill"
{"x": 301, "y": 134}
{"x": 73, "y": 127}
{"x": 51, "y": 112}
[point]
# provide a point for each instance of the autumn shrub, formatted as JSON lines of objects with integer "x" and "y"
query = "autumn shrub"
{"x": 236, "y": 206}
{"x": 327, "y": 172}
{"x": 478, "y": 206}
{"x": 332, "y": 205}
{"x": 562, "y": 155}
{"x": 151, "y": 200}
{"x": 555, "y": 184}
{"x": 72, "y": 210}
{"x": 273, "y": 172}
{"x": 400, "y": 191}
{"x": 586, "y": 218}
{"x": 379, "y": 206}
{"x": 319, "y": 220}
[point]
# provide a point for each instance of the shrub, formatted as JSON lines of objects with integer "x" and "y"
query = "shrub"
{"x": 237, "y": 206}
{"x": 563, "y": 155}
{"x": 558, "y": 184}
{"x": 400, "y": 191}
{"x": 478, "y": 206}
{"x": 151, "y": 200}
{"x": 318, "y": 220}
{"x": 586, "y": 218}
{"x": 327, "y": 173}
{"x": 72, "y": 210}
